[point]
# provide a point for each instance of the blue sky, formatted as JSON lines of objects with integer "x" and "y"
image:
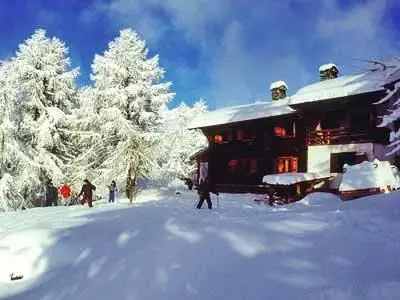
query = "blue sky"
{"x": 226, "y": 51}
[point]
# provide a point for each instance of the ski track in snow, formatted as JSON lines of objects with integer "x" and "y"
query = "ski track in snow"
{"x": 320, "y": 248}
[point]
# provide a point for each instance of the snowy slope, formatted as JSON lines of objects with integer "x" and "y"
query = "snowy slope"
{"x": 320, "y": 248}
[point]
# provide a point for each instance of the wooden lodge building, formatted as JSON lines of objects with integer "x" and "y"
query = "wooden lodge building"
{"x": 317, "y": 130}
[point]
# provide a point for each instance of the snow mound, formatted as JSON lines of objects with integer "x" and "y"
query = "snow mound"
{"x": 177, "y": 184}
{"x": 317, "y": 199}
{"x": 366, "y": 175}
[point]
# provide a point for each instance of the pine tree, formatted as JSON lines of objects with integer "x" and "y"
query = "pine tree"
{"x": 179, "y": 143}
{"x": 15, "y": 163}
{"x": 42, "y": 74}
{"x": 128, "y": 95}
{"x": 86, "y": 136}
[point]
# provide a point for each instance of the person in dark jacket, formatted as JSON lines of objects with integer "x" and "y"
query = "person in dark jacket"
{"x": 204, "y": 189}
{"x": 112, "y": 189}
{"x": 87, "y": 192}
{"x": 51, "y": 194}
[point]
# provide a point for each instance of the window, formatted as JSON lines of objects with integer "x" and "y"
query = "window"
{"x": 243, "y": 134}
{"x": 334, "y": 119}
{"x": 360, "y": 120}
{"x": 339, "y": 159}
{"x": 245, "y": 166}
{"x": 252, "y": 166}
{"x": 286, "y": 164}
{"x": 285, "y": 129}
{"x": 223, "y": 136}
{"x": 233, "y": 165}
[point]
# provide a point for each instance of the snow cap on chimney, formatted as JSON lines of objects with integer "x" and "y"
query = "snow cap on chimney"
{"x": 278, "y": 90}
{"x": 328, "y": 71}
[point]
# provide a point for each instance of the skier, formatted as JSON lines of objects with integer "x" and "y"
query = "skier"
{"x": 112, "y": 190}
{"x": 204, "y": 189}
{"x": 87, "y": 192}
{"x": 51, "y": 194}
{"x": 65, "y": 192}
{"x": 189, "y": 183}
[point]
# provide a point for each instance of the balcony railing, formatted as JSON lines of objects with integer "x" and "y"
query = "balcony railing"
{"x": 347, "y": 135}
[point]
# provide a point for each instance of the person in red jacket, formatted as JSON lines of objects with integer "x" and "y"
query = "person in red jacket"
{"x": 65, "y": 192}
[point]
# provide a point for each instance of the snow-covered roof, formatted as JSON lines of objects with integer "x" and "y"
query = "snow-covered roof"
{"x": 342, "y": 86}
{"x": 241, "y": 113}
{"x": 278, "y": 84}
{"x": 327, "y": 67}
{"x": 290, "y": 178}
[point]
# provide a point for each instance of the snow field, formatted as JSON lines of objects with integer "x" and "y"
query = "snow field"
{"x": 319, "y": 248}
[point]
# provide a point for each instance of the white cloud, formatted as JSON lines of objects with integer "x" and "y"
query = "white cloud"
{"x": 245, "y": 45}
{"x": 242, "y": 75}
{"x": 359, "y": 31}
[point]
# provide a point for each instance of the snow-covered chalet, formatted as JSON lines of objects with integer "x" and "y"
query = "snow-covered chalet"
{"x": 316, "y": 130}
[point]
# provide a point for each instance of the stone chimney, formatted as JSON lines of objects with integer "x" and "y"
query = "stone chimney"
{"x": 278, "y": 90}
{"x": 328, "y": 71}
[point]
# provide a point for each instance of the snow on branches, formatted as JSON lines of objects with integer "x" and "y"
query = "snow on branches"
{"x": 178, "y": 142}
{"x": 47, "y": 90}
{"x": 127, "y": 96}
{"x": 392, "y": 118}
{"x": 38, "y": 93}
{"x": 119, "y": 128}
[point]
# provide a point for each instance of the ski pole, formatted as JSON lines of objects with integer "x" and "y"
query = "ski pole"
{"x": 217, "y": 201}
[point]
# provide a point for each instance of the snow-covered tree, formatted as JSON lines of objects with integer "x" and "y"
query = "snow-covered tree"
{"x": 16, "y": 163}
{"x": 42, "y": 74}
{"x": 85, "y": 126}
{"x": 127, "y": 96}
{"x": 392, "y": 119}
{"x": 179, "y": 143}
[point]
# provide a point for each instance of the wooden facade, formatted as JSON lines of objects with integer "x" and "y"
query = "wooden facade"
{"x": 344, "y": 121}
{"x": 241, "y": 153}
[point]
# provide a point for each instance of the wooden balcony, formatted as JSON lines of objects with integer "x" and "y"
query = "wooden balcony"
{"x": 347, "y": 135}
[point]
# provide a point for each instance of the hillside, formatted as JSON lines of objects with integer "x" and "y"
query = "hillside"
{"x": 163, "y": 248}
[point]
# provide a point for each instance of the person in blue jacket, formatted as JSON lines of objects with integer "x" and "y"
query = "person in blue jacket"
{"x": 112, "y": 191}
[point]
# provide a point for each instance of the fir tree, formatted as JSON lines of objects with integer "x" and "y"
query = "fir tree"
{"x": 16, "y": 163}
{"x": 127, "y": 97}
{"x": 42, "y": 74}
{"x": 179, "y": 143}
